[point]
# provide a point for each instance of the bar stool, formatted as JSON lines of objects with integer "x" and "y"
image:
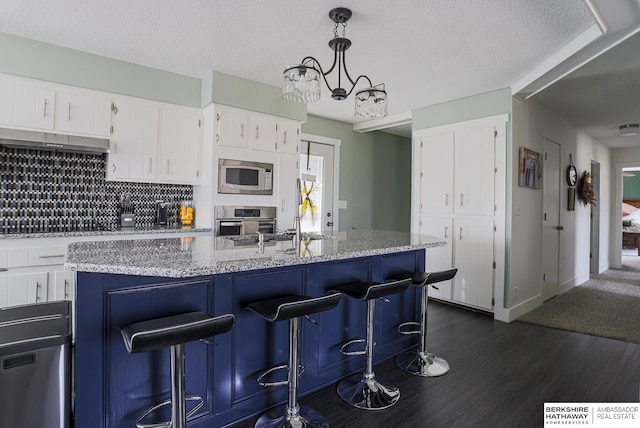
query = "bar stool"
{"x": 291, "y": 308}
{"x": 422, "y": 363}
{"x": 174, "y": 331}
{"x": 366, "y": 391}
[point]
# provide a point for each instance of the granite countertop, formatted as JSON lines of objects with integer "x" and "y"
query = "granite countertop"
{"x": 207, "y": 255}
{"x": 122, "y": 231}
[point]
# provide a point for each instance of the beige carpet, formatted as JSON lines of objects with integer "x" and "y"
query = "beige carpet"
{"x": 607, "y": 305}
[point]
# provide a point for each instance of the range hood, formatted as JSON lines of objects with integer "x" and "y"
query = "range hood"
{"x": 57, "y": 142}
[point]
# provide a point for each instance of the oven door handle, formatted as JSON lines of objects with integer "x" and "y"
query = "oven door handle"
{"x": 230, "y": 223}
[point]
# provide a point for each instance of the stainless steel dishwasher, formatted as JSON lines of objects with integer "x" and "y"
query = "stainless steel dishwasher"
{"x": 35, "y": 365}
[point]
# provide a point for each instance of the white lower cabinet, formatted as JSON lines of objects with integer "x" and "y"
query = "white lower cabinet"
{"x": 439, "y": 258}
{"x": 474, "y": 257}
{"x": 23, "y": 288}
{"x": 63, "y": 286}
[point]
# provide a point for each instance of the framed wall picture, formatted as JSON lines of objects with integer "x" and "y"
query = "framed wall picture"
{"x": 530, "y": 169}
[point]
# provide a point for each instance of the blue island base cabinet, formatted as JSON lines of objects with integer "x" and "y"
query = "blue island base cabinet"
{"x": 112, "y": 387}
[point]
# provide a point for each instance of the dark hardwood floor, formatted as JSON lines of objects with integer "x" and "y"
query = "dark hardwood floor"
{"x": 501, "y": 375}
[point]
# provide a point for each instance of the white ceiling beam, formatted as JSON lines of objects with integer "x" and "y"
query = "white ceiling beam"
{"x": 383, "y": 122}
{"x": 535, "y": 81}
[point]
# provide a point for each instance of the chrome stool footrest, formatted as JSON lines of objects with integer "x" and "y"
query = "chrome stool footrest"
{"x": 403, "y": 328}
{"x": 167, "y": 424}
{"x": 343, "y": 348}
{"x": 266, "y": 384}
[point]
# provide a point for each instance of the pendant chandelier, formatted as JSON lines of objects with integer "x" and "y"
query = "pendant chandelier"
{"x": 302, "y": 81}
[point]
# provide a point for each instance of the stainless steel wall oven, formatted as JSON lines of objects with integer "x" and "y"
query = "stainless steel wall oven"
{"x": 238, "y": 220}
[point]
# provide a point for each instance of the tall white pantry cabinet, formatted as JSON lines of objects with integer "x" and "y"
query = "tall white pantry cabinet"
{"x": 460, "y": 186}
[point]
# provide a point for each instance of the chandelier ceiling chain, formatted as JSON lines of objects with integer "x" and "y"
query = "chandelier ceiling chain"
{"x": 302, "y": 81}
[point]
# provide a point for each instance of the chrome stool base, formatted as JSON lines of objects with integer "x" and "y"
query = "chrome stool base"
{"x": 307, "y": 417}
{"x": 375, "y": 393}
{"x": 422, "y": 364}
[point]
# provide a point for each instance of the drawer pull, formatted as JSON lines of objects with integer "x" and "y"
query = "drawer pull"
{"x": 51, "y": 256}
{"x": 4, "y": 270}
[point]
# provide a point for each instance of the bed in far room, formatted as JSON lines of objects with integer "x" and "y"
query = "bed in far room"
{"x": 631, "y": 224}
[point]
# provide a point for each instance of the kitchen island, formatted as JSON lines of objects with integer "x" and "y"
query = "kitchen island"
{"x": 120, "y": 282}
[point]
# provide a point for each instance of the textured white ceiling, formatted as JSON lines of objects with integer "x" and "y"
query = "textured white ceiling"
{"x": 425, "y": 51}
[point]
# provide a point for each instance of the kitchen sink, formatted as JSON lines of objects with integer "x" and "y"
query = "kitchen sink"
{"x": 268, "y": 237}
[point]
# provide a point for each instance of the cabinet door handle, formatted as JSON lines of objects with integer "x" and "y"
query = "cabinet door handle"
{"x": 242, "y": 130}
{"x": 37, "y": 291}
{"x": 461, "y": 234}
{"x": 44, "y": 111}
{"x": 113, "y": 168}
{"x": 66, "y": 289}
{"x": 282, "y": 209}
{"x": 284, "y": 140}
{"x": 257, "y": 132}
{"x": 53, "y": 256}
{"x": 446, "y": 199}
{"x": 218, "y": 117}
{"x": 461, "y": 199}
{"x": 4, "y": 270}
{"x": 446, "y": 232}
{"x": 115, "y": 147}
{"x": 150, "y": 164}
{"x": 217, "y": 138}
{"x": 69, "y": 113}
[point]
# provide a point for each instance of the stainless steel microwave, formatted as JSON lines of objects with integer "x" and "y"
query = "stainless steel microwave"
{"x": 245, "y": 177}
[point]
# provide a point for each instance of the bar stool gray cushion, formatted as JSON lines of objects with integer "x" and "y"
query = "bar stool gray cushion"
{"x": 372, "y": 290}
{"x": 163, "y": 332}
{"x": 287, "y": 307}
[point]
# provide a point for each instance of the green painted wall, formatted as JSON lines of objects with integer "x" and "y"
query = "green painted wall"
{"x": 44, "y": 61}
{"x": 468, "y": 108}
{"x": 375, "y": 175}
{"x": 631, "y": 186}
{"x": 242, "y": 93}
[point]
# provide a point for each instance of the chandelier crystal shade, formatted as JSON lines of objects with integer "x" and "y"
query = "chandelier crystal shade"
{"x": 302, "y": 82}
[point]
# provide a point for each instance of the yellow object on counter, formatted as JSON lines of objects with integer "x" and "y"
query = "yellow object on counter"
{"x": 186, "y": 213}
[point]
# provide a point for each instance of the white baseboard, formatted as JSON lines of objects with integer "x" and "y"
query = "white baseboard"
{"x": 522, "y": 308}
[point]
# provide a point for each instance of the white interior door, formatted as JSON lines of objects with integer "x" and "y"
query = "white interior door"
{"x": 317, "y": 177}
{"x": 551, "y": 228}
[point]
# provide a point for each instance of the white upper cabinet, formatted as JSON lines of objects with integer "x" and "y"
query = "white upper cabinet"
{"x": 32, "y": 104}
{"x": 155, "y": 142}
{"x": 26, "y": 105}
{"x": 288, "y": 171}
{"x": 264, "y": 132}
{"x": 35, "y": 107}
{"x": 232, "y": 127}
{"x": 84, "y": 112}
{"x": 288, "y": 136}
{"x": 436, "y": 180}
{"x": 133, "y": 155}
{"x": 180, "y": 145}
{"x": 475, "y": 170}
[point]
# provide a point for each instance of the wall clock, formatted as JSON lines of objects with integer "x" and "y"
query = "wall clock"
{"x": 572, "y": 175}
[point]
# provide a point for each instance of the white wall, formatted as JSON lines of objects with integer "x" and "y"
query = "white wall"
{"x": 532, "y": 123}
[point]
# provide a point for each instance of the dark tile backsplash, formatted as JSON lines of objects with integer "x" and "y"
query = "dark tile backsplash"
{"x": 44, "y": 191}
